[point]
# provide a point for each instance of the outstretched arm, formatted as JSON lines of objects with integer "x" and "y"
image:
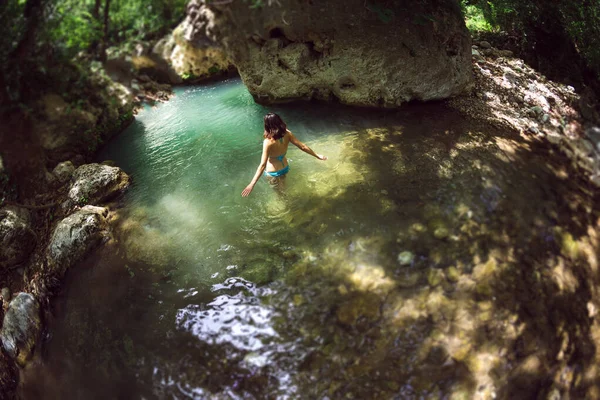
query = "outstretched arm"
{"x": 263, "y": 164}
{"x": 305, "y": 148}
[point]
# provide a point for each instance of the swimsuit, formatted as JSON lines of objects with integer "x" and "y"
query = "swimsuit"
{"x": 282, "y": 171}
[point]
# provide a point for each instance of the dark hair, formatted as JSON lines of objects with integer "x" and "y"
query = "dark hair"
{"x": 275, "y": 128}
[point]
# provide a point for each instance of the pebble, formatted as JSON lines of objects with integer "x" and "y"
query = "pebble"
{"x": 453, "y": 274}
{"x": 434, "y": 277}
{"x": 406, "y": 258}
{"x": 441, "y": 233}
{"x": 545, "y": 118}
{"x": 484, "y": 44}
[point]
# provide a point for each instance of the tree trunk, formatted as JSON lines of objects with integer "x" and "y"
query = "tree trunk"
{"x": 33, "y": 14}
{"x": 97, "y": 23}
{"x": 105, "y": 39}
{"x": 96, "y": 11}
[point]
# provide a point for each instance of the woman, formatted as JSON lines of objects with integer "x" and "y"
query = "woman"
{"x": 275, "y": 145}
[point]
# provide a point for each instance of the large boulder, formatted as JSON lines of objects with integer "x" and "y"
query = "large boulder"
{"x": 21, "y": 327}
{"x": 192, "y": 55}
{"x": 17, "y": 239}
{"x": 96, "y": 183}
{"x": 75, "y": 236}
{"x": 359, "y": 52}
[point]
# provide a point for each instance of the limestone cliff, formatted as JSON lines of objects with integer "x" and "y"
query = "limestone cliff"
{"x": 368, "y": 53}
{"x": 189, "y": 52}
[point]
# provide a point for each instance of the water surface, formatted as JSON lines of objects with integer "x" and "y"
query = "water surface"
{"x": 406, "y": 266}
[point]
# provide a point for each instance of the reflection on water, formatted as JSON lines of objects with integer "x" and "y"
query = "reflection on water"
{"x": 239, "y": 320}
{"x": 429, "y": 257}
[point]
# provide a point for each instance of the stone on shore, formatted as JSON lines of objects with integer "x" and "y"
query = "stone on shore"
{"x": 96, "y": 183}
{"x": 75, "y": 236}
{"x": 21, "y": 328}
{"x": 17, "y": 239}
{"x": 63, "y": 171}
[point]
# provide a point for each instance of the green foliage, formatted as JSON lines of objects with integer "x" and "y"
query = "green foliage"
{"x": 187, "y": 76}
{"x": 138, "y": 19}
{"x": 71, "y": 26}
{"x": 475, "y": 20}
{"x": 536, "y": 20}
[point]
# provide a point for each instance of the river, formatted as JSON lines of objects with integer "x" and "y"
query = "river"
{"x": 413, "y": 263}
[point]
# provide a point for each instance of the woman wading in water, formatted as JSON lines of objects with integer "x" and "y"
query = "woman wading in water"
{"x": 277, "y": 139}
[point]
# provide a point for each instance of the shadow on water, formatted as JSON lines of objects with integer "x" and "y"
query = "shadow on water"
{"x": 457, "y": 261}
{"x": 499, "y": 298}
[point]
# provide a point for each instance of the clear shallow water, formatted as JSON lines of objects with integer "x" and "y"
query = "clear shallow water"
{"x": 376, "y": 275}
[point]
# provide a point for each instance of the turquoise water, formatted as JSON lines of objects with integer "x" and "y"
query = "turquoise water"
{"x": 387, "y": 271}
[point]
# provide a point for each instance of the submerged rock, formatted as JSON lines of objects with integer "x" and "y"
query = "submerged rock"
{"x": 21, "y": 327}
{"x": 405, "y": 258}
{"x": 95, "y": 183}
{"x": 75, "y": 236}
{"x": 17, "y": 239}
{"x": 453, "y": 274}
{"x": 359, "y": 53}
{"x": 435, "y": 277}
{"x": 362, "y": 305}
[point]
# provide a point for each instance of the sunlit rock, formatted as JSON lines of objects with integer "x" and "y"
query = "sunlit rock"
{"x": 362, "y": 55}
{"x": 96, "y": 183}
{"x": 485, "y": 270}
{"x": 191, "y": 54}
{"x": 371, "y": 278}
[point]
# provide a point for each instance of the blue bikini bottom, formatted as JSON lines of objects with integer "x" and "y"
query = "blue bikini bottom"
{"x": 281, "y": 172}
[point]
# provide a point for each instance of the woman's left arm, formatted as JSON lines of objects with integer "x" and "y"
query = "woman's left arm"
{"x": 263, "y": 164}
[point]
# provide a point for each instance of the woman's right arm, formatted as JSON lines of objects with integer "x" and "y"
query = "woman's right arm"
{"x": 261, "y": 167}
{"x": 304, "y": 147}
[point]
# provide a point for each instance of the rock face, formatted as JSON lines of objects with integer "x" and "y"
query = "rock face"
{"x": 17, "y": 239}
{"x": 95, "y": 183}
{"x": 21, "y": 327}
{"x": 75, "y": 236}
{"x": 191, "y": 53}
{"x": 361, "y": 53}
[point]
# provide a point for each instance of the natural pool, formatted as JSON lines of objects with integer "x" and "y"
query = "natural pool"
{"x": 430, "y": 257}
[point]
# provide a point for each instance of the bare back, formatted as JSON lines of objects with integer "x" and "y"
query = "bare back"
{"x": 277, "y": 149}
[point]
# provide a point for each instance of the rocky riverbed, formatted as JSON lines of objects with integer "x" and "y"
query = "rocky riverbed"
{"x": 41, "y": 241}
